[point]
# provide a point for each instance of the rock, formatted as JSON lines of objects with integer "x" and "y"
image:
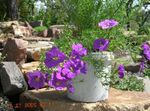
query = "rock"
{"x": 126, "y": 60}
{"x": 12, "y": 79}
{"x": 36, "y": 39}
{"x": 43, "y": 33}
{"x": 1, "y": 43}
{"x": 36, "y": 23}
{"x": 49, "y": 99}
{"x": 21, "y": 31}
{"x": 129, "y": 33}
{"x": 15, "y": 50}
{"x": 49, "y": 33}
{"x": 134, "y": 68}
{"x": 56, "y": 30}
{"x": 146, "y": 81}
{"x": 28, "y": 67}
{"x": 35, "y": 49}
{"x": 8, "y": 24}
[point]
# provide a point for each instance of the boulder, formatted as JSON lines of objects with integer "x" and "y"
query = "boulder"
{"x": 126, "y": 60}
{"x": 43, "y": 33}
{"x": 12, "y": 79}
{"x": 35, "y": 49}
{"x": 8, "y": 24}
{"x": 56, "y": 30}
{"x": 36, "y": 23}
{"x": 15, "y": 50}
{"x": 49, "y": 100}
{"x": 21, "y": 31}
{"x": 28, "y": 67}
{"x": 146, "y": 81}
{"x": 134, "y": 68}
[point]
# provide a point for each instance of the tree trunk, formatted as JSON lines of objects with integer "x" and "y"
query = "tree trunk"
{"x": 12, "y": 9}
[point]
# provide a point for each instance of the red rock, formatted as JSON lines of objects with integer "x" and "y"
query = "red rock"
{"x": 15, "y": 50}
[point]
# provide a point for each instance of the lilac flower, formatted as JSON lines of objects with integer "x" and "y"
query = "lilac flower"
{"x": 78, "y": 49}
{"x": 57, "y": 83}
{"x": 142, "y": 64}
{"x": 54, "y": 57}
{"x": 36, "y": 79}
{"x": 121, "y": 71}
{"x": 146, "y": 50}
{"x": 107, "y": 24}
{"x": 101, "y": 44}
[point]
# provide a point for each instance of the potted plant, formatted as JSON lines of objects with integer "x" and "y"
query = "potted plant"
{"x": 85, "y": 74}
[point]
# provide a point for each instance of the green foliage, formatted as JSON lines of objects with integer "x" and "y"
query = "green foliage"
{"x": 147, "y": 72}
{"x": 129, "y": 82}
{"x": 80, "y": 12}
{"x": 2, "y": 58}
{"x": 40, "y": 28}
{"x": 66, "y": 40}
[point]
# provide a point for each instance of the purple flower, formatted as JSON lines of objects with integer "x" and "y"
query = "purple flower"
{"x": 142, "y": 64}
{"x": 145, "y": 46}
{"x": 82, "y": 67}
{"x": 101, "y": 44}
{"x": 36, "y": 79}
{"x": 147, "y": 54}
{"x": 70, "y": 69}
{"x": 47, "y": 77}
{"x": 121, "y": 71}
{"x": 146, "y": 50}
{"x": 107, "y": 24}
{"x": 74, "y": 55}
{"x": 78, "y": 49}
{"x": 57, "y": 83}
{"x": 70, "y": 87}
{"x": 61, "y": 75}
{"x": 54, "y": 57}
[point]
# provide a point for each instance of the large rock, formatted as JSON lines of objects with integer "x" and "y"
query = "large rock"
{"x": 15, "y": 50}
{"x": 12, "y": 79}
{"x": 134, "y": 68}
{"x": 49, "y": 100}
{"x": 56, "y": 30}
{"x": 8, "y": 24}
{"x": 126, "y": 60}
{"x": 21, "y": 31}
{"x": 146, "y": 81}
{"x": 36, "y": 23}
{"x": 35, "y": 49}
{"x": 28, "y": 67}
